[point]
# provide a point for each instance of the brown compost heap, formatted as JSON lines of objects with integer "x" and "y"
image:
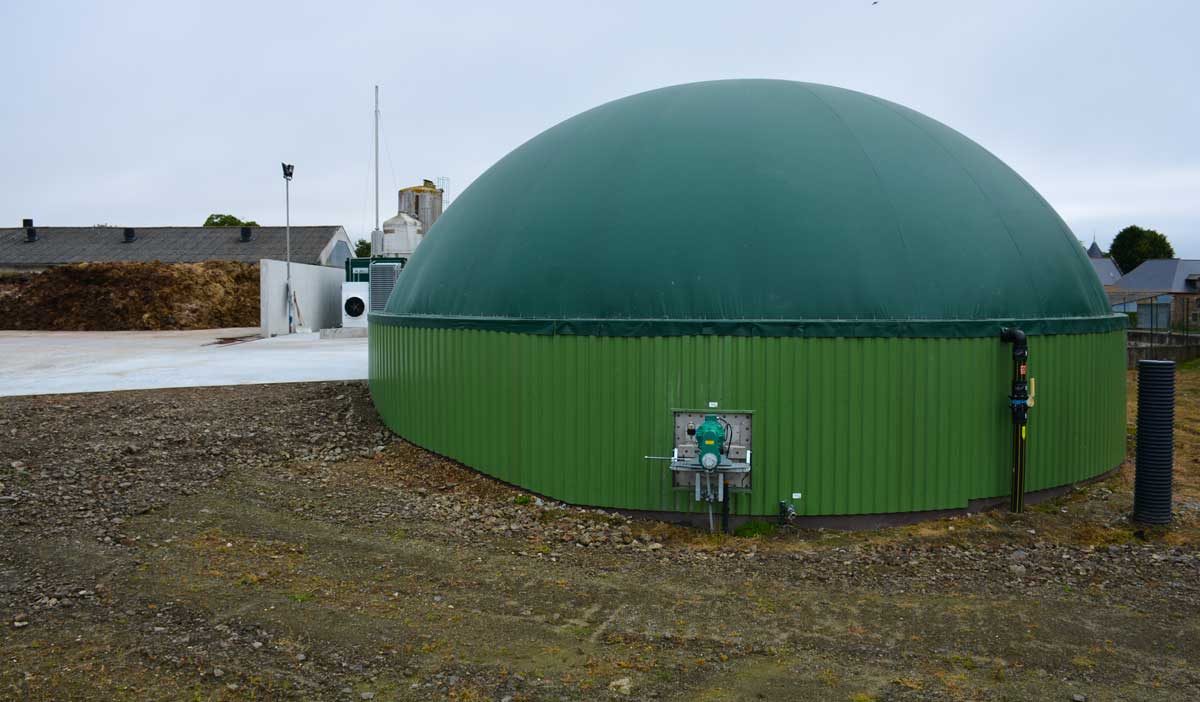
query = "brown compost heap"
{"x": 132, "y": 296}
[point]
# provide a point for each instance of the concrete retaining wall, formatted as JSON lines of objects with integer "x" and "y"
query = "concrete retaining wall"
{"x": 318, "y": 293}
{"x": 1179, "y": 354}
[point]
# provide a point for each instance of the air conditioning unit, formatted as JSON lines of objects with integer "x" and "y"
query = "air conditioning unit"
{"x": 383, "y": 278}
{"x": 356, "y": 298}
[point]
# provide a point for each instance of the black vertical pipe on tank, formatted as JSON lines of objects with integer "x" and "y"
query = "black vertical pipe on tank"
{"x": 1018, "y": 402}
{"x": 1155, "y": 442}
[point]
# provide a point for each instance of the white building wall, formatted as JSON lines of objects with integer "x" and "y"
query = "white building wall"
{"x": 318, "y": 294}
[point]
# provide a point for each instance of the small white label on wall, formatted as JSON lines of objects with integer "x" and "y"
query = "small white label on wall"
{"x": 712, "y": 405}
{"x": 797, "y": 495}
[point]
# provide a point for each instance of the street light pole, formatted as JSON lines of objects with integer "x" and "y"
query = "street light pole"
{"x": 376, "y": 235}
{"x": 287, "y": 214}
{"x": 377, "y": 158}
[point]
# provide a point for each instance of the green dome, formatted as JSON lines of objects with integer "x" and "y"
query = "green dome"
{"x": 751, "y": 207}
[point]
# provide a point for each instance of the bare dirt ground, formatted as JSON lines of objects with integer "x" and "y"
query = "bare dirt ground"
{"x": 276, "y": 542}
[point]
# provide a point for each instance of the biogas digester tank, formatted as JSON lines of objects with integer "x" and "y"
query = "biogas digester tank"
{"x": 815, "y": 278}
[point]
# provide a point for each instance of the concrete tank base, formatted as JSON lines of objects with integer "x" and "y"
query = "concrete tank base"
{"x": 863, "y": 522}
{"x": 344, "y": 333}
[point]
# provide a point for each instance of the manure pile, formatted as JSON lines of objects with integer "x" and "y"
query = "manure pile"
{"x": 132, "y": 296}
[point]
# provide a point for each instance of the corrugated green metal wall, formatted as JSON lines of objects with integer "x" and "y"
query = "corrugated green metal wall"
{"x": 858, "y": 426}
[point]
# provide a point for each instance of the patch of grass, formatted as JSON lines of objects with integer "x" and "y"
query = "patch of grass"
{"x": 300, "y": 596}
{"x": 600, "y": 518}
{"x": 1192, "y": 365}
{"x": 552, "y": 515}
{"x": 829, "y": 677}
{"x": 470, "y": 693}
{"x": 750, "y": 530}
{"x": 251, "y": 578}
{"x": 910, "y": 683}
{"x": 522, "y": 499}
{"x": 1097, "y": 535}
{"x": 1047, "y": 507}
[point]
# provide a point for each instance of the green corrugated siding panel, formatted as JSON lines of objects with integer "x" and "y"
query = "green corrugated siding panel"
{"x": 858, "y": 426}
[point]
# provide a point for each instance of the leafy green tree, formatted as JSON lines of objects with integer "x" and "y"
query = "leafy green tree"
{"x": 362, "y": 249}
{"x": 227, "y": 220}
{"x": 1134, "y": 245}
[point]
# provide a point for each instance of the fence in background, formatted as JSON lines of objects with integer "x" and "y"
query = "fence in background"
{"x": 1162, "y": 326}
{"x": 1161, "y": 345}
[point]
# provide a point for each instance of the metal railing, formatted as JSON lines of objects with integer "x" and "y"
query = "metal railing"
{"x": 1165, "y": 334}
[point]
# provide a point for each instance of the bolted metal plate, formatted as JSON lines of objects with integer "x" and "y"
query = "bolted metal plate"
{"x": 741, "y": 428}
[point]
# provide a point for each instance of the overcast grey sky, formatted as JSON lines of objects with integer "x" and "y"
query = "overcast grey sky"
{"x": 156, "y": 113}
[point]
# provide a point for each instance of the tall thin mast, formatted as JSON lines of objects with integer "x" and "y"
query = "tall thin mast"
{"x": 376, "y": 158}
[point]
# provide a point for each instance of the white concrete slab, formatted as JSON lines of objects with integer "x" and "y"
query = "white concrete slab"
{"x": 35, "y": 363}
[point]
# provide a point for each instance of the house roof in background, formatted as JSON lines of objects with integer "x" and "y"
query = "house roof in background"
{"x": 1106, "y": 270}
{"x": 1094, "y": 251}
{"x": 1162, "y": 275}
{"x": 59, "y": 245}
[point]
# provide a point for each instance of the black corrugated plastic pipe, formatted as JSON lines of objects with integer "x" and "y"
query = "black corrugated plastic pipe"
{"x": 1155, "y": 442}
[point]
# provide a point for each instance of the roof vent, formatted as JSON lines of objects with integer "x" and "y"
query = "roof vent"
{"x": 30, "y": 232}
{"x": 245, "y": 233}
{"x": 27, "y": 223}
{"x": 130, "y": 235}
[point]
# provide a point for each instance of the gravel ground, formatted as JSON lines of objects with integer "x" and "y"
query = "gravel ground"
{"x": 276, "y": 542}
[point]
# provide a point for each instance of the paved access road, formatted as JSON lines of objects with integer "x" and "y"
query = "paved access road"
{"x": 37, "y": 363}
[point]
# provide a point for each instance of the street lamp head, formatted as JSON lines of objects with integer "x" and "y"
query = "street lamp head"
{"x": 287, "y": 171}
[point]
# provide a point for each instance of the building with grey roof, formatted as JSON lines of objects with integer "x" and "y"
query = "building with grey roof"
{"x": 1163, "y": 275}
{"x": 34, "y": 248}
{"x": 1166, "y": 291}
{"x": 1106, "y": 269}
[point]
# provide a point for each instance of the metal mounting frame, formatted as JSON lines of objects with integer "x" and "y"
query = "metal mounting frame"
{"x": 734, "y": 469}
